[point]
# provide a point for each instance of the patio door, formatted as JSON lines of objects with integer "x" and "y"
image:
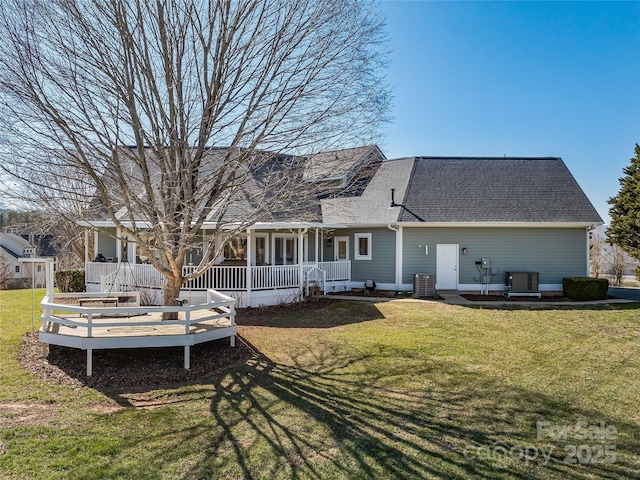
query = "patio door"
{"x": 285, "y": 250}
{"x": 446, "y": 267}
{"x": 341, "y": 248}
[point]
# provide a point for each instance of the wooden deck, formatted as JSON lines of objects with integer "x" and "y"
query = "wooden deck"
{"x": 104, "y": 327}
{"x": 150, "y": 324}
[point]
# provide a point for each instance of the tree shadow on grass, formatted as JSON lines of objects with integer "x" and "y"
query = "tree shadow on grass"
{"x": 341, "y": 417}
{"x": 327, "y": 313}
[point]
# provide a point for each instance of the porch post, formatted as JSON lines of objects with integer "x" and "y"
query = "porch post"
{"x": 322, "y": 245}
{"x": 86, "y": 246}
{"x": 316, "y": 255}
{"x": 249, "y": 255}
{"x": 300, "y": 259}
{"x": 399, "y": 254}
{"x": 95, "y": 243}
{"x": 49, "y": 278}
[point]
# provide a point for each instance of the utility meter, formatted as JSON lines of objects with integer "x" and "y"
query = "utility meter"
{"x": 486, "y": 263}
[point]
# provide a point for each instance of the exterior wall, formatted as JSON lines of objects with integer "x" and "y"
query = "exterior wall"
{"x": 382, "y": 266}
{"x": 553, "y": 252}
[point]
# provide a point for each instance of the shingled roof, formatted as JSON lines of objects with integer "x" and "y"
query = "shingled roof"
{"x": 495, "y": 190}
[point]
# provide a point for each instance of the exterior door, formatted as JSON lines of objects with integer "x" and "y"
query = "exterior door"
{"x": 341, "y": 248}
{"x": 447, "y": 267}
{"x": 285, "y": 250}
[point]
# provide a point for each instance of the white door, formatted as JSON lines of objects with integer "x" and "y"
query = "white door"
{"x": 447, "y": 267}
{"x": 341, "y": 248}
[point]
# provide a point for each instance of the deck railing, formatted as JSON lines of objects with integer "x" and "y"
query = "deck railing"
{"x": 125, "y": 276}
{"x": 132, "y": 316}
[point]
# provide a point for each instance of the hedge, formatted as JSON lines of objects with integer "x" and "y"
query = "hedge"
{"x": 70, "y": 280}
{"x": 585, "y": 288}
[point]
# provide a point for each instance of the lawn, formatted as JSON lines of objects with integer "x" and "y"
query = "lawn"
{"x": 352, "y": 390}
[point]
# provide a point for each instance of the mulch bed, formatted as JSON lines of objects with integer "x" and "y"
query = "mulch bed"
{"x": 504, "y": 298}
{"x": 146, "y": 368}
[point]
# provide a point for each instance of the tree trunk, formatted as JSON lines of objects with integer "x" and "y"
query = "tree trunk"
{"x": 171, "y": 292}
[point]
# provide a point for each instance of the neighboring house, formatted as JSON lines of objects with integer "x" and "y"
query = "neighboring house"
{"x": 465, "y": 221}
{"x": 14, "y": 250}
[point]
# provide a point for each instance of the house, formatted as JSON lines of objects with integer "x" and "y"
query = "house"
{"x": 18, "y": 253}
{"x": 463, "y": 221}
{"x": 448, "y": 214}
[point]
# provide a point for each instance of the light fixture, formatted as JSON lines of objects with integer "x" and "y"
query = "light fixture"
{"x": 464, "y": 251}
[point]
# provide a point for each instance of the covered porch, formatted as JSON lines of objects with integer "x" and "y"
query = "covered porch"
{"x": 264, "y": 265}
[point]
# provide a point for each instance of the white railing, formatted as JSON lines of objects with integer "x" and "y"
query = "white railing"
{"x": 274, "y": 276}
{"x": 94, "y": 271}
{"x": 123, "y": 276}
{"x": 339, "y": 270}
{"x": 217, "y": 306}
{"x": 220, "y": 278}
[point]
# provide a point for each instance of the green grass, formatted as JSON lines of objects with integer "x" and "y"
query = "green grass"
{"x": 354, "y": 390}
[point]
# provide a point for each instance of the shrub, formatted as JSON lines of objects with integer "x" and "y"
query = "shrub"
{"x": 585, "y": 288}
{"x": 70, "y": 280}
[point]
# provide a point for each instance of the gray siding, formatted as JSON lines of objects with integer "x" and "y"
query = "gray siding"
{"x": 553, "y": 252}
{"x": 382, "y": 266}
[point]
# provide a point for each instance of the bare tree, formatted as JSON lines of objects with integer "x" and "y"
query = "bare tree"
{"x": 597, "y": 251}
{"x": 619, "y": 262}
{"x": 129, "y": 101}
{"x": 6, "y": 273}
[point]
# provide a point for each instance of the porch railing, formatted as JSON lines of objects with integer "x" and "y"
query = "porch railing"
{"x": 114, "y": 276}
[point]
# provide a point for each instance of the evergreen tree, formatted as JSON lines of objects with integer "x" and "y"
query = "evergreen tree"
{"x": 625, "y": 210}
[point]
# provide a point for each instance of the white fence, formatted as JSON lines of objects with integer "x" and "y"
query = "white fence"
{"x": 126, "y": 276}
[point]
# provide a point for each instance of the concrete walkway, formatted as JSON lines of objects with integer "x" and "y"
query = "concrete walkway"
{"x": 456, "y": 299}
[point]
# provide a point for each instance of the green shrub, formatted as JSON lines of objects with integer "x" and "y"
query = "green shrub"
{"x": 70, "y": 280}
{"x": 585, "y": 288}
{"x": 638, "y": 274}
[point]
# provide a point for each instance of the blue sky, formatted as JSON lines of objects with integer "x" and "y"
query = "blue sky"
{"x": 518, "y": 79}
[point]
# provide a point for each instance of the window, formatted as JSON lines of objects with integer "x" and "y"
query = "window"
{"x": 236, "y": 249}
{"x": 261, "y": 252}
{"x": 17, "y": 268}
{"x": 363, "y": 246}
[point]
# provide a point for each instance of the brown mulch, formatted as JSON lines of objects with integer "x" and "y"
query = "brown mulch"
{"x": 504, "y": 298}
{"x": 129, "y": 367}
{"x": 144, "y": 368}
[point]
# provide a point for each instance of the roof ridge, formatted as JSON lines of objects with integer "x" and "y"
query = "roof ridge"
{"x": 486, "y": 158}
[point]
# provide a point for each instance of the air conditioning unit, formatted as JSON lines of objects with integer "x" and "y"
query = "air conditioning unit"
{"x": 424, "y": 284}
{"x": 522, "y": 283}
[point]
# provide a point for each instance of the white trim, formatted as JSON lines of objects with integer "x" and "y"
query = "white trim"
{"x": 356, "y": 247}
{"x": 399, "y": 253}
{"x": 500, "y": 224}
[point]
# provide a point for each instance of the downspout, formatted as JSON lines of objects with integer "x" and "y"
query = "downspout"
{"x": 398, "y": 254}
